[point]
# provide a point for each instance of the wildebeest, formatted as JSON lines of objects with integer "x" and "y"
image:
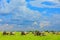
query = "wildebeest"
{"x": 5, "y": 33}
{"x": 57, "y": 33}
{"x": 53, "y": 32}
{"x": 37, "y": 33}
{"x": 24, "y": 33}
{"x": 12, "y": 33}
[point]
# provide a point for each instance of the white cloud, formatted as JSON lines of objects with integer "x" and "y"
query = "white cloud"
{"x": 18, "y": 9}
{"x": 37, "y": 3}
{"x": 26, "y": 13}
{"x": 44, "y": 24}
{"x": 8, "y": 7}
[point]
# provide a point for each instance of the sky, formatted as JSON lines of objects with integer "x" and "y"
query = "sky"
{"x": 29, "y": 15}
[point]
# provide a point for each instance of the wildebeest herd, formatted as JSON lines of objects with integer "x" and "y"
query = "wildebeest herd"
{"x": 7, "y": 33}
{"x": 36, "y": 33}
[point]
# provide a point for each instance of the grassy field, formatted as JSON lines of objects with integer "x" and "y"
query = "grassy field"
{"x": 29, "y": 36}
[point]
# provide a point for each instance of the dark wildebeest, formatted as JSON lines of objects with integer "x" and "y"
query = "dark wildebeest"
{"x": 12, "y": 33}
{"x": 37, "y": 33}
{"x": 5, "y": 33}
{"x": 24, "y": 33}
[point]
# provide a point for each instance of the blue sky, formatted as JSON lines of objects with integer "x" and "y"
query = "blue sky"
{"x": 25, "y": 15}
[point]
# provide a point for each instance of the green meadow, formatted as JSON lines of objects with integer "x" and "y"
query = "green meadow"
{"x": 30, "y": 36}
